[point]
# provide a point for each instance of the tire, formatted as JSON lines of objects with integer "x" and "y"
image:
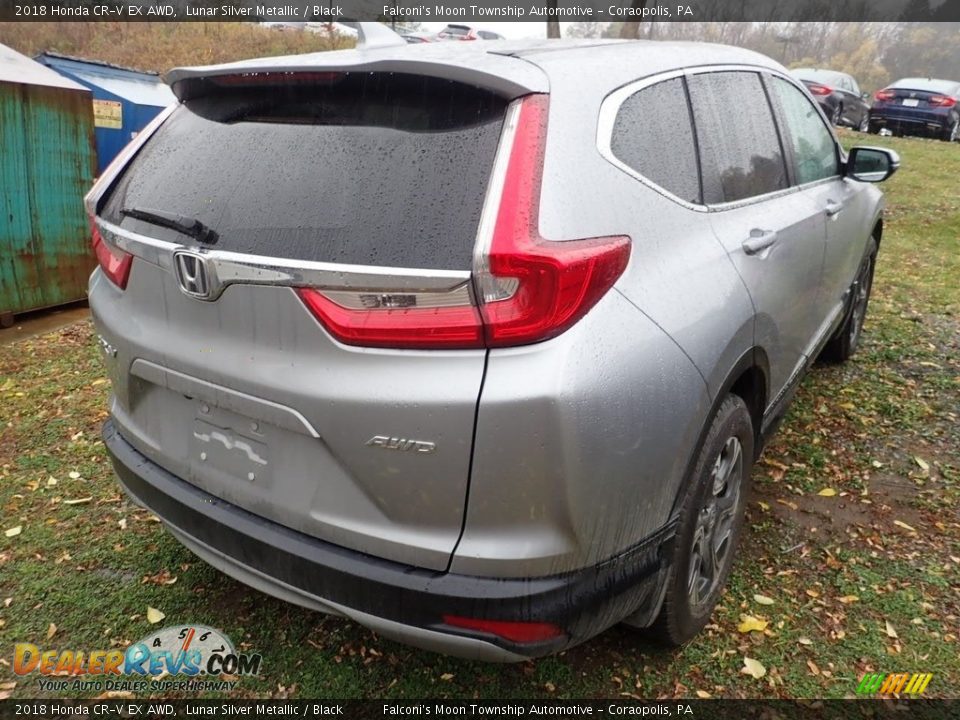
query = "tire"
{"x": 952, "y": 134}
{"x": 844, "y": 342}
{"x": 711, "y": 516}
{"x": 836, "y": 116}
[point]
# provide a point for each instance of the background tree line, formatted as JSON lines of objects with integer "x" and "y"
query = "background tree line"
{"x": 876, "y": 53}
{"x": 160, "y": 46}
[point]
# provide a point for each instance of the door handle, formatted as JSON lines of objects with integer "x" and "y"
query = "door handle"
{"x": 833, "y": 208}
{"x": 759, "y": 241}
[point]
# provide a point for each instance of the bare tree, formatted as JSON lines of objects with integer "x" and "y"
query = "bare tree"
{"x": 553, "y": 25}
{"x": 631, "y": 30}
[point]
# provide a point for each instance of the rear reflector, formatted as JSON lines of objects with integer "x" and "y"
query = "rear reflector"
{"x": 114, "y": 262}
{"x": 820, "y": 89}
{"x": 528, "y": 288}
{"x": 518, "y": 632}
{"x": 941, "y": 101}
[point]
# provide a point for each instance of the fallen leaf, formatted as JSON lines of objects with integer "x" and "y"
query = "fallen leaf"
{"x": 764, "y": 506}
{"x": 122, "y": 522}
{"x": 78, "y": 501}
{"x": 73, "y": 474}
{"x": 14, "y": 531}
{"x": 848, "y": 599}
{"x": 891, "y": 631}
{"x": 827, "y": 492}
{"x": 813, "y": 667}
{"x": 51, "y": 631}
{"x": 51, "y": 481}
{"x": 447, "y": 677}
{"x": 812, "y": 593}
{"x": 924, "y": 465}
{"x": 805, "y": 641}
{"x": 550, "y": 687}
{"x": 154, "y": 616}
{"x": 753, "y": 668}
{"x": 902, "y": 524}
{"x": 703, "y": 695}
{"x": 115, "y": 695}
{"x": 763, "y": 600}
{"x": 751, "y": 623}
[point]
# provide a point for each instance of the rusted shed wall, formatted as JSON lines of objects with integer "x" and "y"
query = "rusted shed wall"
{"x": 47, "y": 164}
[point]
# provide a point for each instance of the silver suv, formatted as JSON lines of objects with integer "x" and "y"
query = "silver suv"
{"x": 475, "y": 346}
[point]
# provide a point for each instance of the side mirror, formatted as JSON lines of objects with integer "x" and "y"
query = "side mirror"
{"x": 864, "y": 96}
{"x": 871, "y": 164}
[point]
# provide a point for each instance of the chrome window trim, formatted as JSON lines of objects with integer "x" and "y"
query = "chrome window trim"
{"x": 610, "y": 108}
{"x": 234, "y": 268}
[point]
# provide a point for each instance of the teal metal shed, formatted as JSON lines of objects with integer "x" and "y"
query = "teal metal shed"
{"x": 48, "y": 163}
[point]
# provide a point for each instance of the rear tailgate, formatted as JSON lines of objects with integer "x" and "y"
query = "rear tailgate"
{"x": 349, "y": 182}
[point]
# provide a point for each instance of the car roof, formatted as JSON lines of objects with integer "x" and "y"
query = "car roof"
{"x": 509, "y": 67}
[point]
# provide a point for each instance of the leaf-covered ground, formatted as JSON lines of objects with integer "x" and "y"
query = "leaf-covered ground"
{"x": 851, "y": 563}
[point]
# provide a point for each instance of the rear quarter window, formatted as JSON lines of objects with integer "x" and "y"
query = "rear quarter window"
{"x": 653, "y": 135}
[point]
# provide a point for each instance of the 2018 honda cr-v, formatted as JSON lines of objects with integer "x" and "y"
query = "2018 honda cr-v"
{"x": 475, "y": 345}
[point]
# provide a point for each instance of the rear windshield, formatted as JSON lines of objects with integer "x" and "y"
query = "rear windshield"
{"x": 361, "y": 168}
{"x": 819, "y": 76}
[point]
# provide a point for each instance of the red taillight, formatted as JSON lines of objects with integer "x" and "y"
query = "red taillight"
{"x": 115, "y": 263}
{"x": 530, "y": 289}
{"x": 820, "y": 89}
{"x": 412, "y": 328}
{"x": 534, "y": 289}
{"x": 941, "y": 101}
{"x": 884, "y": 95}
{"x": 518, "y": 632}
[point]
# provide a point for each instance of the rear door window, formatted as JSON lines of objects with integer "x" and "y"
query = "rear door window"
{"x": 653, "y": 135}
{"x": 814, "y": 150}
{"x": 740, "y": 153}
{"x": 361, "y": 168}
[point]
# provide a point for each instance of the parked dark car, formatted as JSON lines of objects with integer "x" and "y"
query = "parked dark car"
{"x": 839, "y": 95}
{"x": 918, "y": 106}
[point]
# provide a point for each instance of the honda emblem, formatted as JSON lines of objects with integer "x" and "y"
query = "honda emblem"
{"x": 194, "y": 274}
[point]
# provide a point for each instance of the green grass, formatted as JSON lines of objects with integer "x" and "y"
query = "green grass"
{"x": 858, "y": 429}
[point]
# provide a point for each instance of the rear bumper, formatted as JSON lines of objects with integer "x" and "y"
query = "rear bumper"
{"x": 912, "y": 122}
{"x": 401, "y": 602}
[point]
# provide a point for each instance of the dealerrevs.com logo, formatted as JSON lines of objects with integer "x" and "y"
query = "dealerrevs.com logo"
{"x": 182, "y": 653}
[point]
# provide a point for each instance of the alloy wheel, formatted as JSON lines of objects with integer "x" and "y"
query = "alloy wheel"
{"x": 712, "y": 545}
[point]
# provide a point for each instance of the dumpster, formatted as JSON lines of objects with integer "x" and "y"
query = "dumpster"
{"x": 48, "y": 163}
{"x": 124, "y": 100}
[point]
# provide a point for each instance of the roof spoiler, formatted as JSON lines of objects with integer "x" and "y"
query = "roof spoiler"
{"x": 374, "y": 35}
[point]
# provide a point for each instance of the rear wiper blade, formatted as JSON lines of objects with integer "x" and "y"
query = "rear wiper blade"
{"x": 187, "y": 226}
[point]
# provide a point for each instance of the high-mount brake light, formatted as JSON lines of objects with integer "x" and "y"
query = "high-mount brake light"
{"x": 528, "y": 288}
{"x": 114, "y": 262}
